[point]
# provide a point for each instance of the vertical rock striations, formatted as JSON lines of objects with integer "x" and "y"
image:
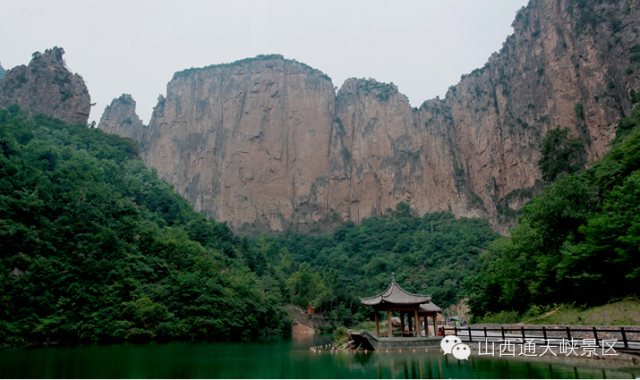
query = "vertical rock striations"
{"x": 565, "y": 65}
{"x": 382, "y": 154}
{"x": 46, "y": 86}
{"x": 266, "y": 140}
{"x": 245, "y": 141}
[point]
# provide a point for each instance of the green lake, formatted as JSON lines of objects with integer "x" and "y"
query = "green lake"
{"x": 283, "y": 358}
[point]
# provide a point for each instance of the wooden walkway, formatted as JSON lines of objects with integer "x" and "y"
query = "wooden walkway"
{"x": 625, "y": 339}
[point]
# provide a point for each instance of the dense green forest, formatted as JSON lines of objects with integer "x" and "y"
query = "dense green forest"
{"x": 95, "y": 247}
{"x": 429, "y": 255}
{"x": 578, "y": 241}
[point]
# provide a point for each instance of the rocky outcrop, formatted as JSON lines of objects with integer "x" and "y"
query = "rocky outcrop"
{"x": 245, "y": 141}
{"x": 120, "y": 118}
{"x": 2, "y": 72}
{"x": 266, "y": 141}
{"x": 382, "y": 153}
{"x": 564, "y": 65}
{"x": 46, "y": 86}
{"x": 476, "y": 151}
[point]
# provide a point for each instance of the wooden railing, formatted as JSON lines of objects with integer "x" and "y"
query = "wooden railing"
{"x": 628, "y": 339}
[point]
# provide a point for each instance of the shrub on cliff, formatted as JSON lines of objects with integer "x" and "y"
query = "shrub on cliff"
{"x": 561, "y": 153}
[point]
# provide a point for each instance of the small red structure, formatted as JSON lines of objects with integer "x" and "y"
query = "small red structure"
{"x": 311, "y": 310}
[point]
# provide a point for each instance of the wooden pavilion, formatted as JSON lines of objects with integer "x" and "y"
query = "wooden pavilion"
{"x": 414, "y": 306}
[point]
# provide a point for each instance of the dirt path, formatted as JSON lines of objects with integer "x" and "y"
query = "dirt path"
{"x": 543, "y": 316}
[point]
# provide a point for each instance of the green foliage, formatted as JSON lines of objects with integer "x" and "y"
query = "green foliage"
{"x": 561, "y": 153}
{"x": 381, "y": 90}
{"x": 626, "y": 125}
{"x": 625, "y": 312}
{"x": 260, "y": 57}
{"x": 585, "y": 15}
{"x": 340, "y": 335}
{"x": 2, "y": 72}
{"x": 125, "y": 99}
{"x": 476, "y": 200}
{"x": 160, "y": 105}
{"x": 504, "y": 317}
{"x": 429, "y": 255}
{"x": 95, "y": 247}
{"x": 339, "y": 127}
{"x": 577, "y": 241}
{"x": 579, "y": 110}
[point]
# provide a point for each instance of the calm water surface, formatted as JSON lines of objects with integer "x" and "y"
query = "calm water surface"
{"x": 280, "y": 358}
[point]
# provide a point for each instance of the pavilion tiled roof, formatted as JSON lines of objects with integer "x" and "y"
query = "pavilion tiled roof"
{"x": 396, "y": 295}
{"x": 430, "y": 307}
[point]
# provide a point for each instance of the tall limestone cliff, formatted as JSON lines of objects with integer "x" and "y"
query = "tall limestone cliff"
{"x": 382, "y": 154}
{"x": 568, "y": 65}
{"x": 245, "y": 141}
{"x": 266, "y": 140}
{"x": 46, "y": 86}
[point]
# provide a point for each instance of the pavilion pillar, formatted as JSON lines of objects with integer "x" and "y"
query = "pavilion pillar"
{"x": 426, "y": 326}
{"x": 415, "y": 313}
{"x": 377, "y": 324}
{"x": 409, "y": 316}
{"x": 389, "y": 324}
{"x": 435, "y": 325}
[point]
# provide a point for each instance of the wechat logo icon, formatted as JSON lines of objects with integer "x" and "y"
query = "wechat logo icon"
{"x": 453, "y": 345}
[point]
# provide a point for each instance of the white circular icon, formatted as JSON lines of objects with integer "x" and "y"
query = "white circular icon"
{"x": 448, "y": 342}
{"x": 461, "y": 351}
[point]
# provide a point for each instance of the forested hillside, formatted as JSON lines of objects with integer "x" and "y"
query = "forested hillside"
{"x": 429, "y": 255}
{"x": 95, "y": 247}
{"x": 578, "y": 241}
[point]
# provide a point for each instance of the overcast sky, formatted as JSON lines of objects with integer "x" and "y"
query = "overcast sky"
{"x": 135, "y": 46}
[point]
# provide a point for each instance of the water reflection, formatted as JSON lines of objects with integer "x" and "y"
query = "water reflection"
{"x": 282, "y": 358}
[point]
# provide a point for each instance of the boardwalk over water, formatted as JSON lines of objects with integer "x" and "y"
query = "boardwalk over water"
{"x": 619, "y": 338}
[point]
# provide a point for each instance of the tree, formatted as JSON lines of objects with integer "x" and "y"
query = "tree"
{"x": 561, "y": 153}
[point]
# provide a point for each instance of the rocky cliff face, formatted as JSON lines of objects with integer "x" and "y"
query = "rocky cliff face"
{"x": 266, "y": 141}
{"x": 382, "y": 154}
{"x": 120, "y": 118}
{"x": 246, "y": 141}
{"x": 564, "y": 65}
{"x": 46, "y": 86}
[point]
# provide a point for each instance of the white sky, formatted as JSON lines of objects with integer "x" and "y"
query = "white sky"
{"x": 135, "y": 46}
